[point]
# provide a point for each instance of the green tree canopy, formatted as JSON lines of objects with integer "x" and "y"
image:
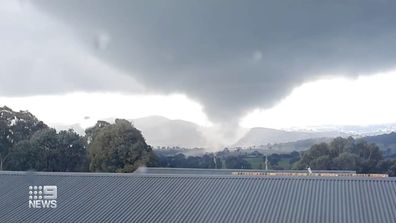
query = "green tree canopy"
{"x": 14, "y": 128}
{"x": 346, "y": 154}
{"x": 47, "y": 150}
{"x": 117, "y": 147}
{"x": 237, "y": 162}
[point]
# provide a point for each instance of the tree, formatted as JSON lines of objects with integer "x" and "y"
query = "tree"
{"x": 48, "y": 151}
{"x": 340, "y": 145}
{"x": 5, "y": 143}
{"x": 90, "y": 133}
{"x": 15, "y": 127}
{"x": 35, "y": 153}
{"x": 219, "y": 163}
{"x": 323, "y": 162}
{"x": 71, "y": 154}
{"x": 237, "y": 162}
{"x": 392, "y": 169}
{"x": 25, "y": 156}
{"x": 308, "y": 157}
{"x": 369, "y": 155}
{"x": 387, "y": 166}
{"x": 347, "y": 154}
{"x": 177, "y": 161}
{"x": 346, "y": 161}
{"x": 117, "y": 147}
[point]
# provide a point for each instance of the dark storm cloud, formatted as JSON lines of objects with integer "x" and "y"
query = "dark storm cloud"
{"x": 41, "y": 56}
{"x": 234, "y": 55}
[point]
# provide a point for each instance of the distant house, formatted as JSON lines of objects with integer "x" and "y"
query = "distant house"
{"x": 155, "y": 195}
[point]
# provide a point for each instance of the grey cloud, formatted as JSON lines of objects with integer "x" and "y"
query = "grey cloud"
{"x": 40, "y": 56}
{"x": 233, "y": 56}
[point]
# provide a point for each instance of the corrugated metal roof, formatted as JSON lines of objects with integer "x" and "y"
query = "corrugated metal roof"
{"x": 199, "y": 198}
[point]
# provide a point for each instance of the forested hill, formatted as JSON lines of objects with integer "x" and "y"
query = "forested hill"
{"x": 263, "y": 136}
{"x": 385, "y": 139}
{"x": 386, "y": 142}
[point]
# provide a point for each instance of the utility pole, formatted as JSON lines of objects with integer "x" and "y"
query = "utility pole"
{"x": 266, "y": 162}
{"x": 266, "y": 156}
{"x": 214, "y": 160}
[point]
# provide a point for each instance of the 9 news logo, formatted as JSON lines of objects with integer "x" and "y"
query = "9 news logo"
{"x": 43, "y": 196}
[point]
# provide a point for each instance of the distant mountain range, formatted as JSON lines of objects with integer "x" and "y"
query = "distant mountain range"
{"x": 263, "y": 136}
{"x": 385, "y": 139}
{"x": 161, "y": 131}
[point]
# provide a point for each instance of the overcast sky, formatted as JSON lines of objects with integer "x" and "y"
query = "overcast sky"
{"x": 274, "y": 63}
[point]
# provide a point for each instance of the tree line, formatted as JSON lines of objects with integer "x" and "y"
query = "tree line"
{"x": 338, "y": 154}
{"x": 347, "y": 154}
{"x": 29, "y": 144}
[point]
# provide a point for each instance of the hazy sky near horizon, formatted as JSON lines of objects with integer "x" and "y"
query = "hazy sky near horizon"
{"x": 277, "y": 64}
